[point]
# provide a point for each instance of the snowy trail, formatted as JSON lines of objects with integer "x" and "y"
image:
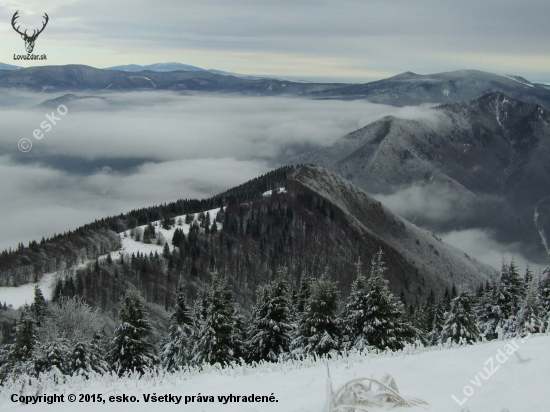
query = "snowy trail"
{"x": 433, "y": 376}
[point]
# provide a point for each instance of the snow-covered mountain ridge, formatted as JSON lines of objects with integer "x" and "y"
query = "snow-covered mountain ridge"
{"x": 319, "y": 219}
{"x": 478, "y": 164}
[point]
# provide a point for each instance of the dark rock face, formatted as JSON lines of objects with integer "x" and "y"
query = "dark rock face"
{"x": 488, "y": 157}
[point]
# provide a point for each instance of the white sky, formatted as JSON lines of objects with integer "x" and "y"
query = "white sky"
{"x": 350, "y": 40}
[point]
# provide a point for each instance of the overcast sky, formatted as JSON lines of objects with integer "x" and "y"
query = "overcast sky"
{"x": 349, "y": 40}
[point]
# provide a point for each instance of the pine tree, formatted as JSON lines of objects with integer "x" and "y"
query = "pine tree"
{"x": 461, "y": 320}
{"x": 175, "y": 349}
{"x": 18, "y": 356}
{"x": 166, "y": 251}
{"x": 318, "y": 331}
{"x": 354, "y": 318}
{"x": 384, "y": 325}
{"x": 38, "y": 307}
{"x": 238, "y": 335}
{"x": 25, "y": 337}
{"x": 512, "y": 293}
{"x": 429, "y": 309}
{"x": 86, "y": 358}
{"x": 214, "y": 340}
{"x": 416, "y": 318}
{"x": 53, "y": 355}
{"x": 545, "y": 295}
{"x": 214, "y": 228}
{"x": 178, "y": 238}
{"x": 531, "y": 317}
{"x": 489, "y": 312}
{"x": 303, "y": 295}
{"x": 270, "y": 331}
{"x": 434, "y": 334}
{"x": 130, "y": 348}
{"x": 447, "y": 299}
{"x": 512, "y": 290}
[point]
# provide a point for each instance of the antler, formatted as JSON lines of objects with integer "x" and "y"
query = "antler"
{"x": 13, "y": 19}
{"x": 43, "y": 25}
{"x": 35, "y": 32}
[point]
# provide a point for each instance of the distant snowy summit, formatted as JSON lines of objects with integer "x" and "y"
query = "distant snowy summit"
{"x": 157, "y": 67}
{"x": 174, "y": 66}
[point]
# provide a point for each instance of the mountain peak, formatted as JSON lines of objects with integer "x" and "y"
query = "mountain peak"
{"x": 406, "y": 75}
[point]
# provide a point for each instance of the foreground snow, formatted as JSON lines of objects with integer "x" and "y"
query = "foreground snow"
{"x": 433, "y": 375}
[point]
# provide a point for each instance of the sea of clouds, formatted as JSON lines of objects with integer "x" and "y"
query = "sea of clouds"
{"x": 113, "y": 152}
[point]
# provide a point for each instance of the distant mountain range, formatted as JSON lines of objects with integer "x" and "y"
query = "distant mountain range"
{"x": 157, "y": 67}
{"x": 4, "y": 66}
{"x": 488, "y": 158}
{"x": 172, "y": 67}
{"x": 461, "y": 85}
{"x": 404, "y": 89}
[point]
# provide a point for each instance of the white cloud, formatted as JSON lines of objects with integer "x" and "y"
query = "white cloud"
{"x": 433, "y": 202}
{"x": 39, "y": 201}
{"x": 482, "y": 246}
{"x": 197, "y": 146}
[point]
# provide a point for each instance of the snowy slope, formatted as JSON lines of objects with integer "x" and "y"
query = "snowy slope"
{"x": 130, "y": 246}
{"x": 24, "y": 294}
{"x": 433, "y": 375}
{"x": 430, "y": 256}
{"x": 20, "y": 295}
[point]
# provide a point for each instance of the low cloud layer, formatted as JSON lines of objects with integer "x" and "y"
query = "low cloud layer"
{"x": 482, "y": 246}
{"x": 431, "y": 203}
{"x": 178, "y": 146}
{"x": 441, "y": 206}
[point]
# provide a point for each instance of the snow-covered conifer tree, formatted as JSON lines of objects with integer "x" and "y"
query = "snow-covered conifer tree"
{"x": 511, "y": 295}
{"x": 512, "y": 290}
{"x": 489, "y": 312}
{"x": 130, "y": 348}
{"x": 175, "y": 349}
{"x": 545, "y": 296}
{"x": 354, "y": 317}
{"x": 214, "y": 340}
{"x": 318, "y": 331}
{"x": 269, "y": 334}
{"x": 55, "y": 354}
{"x": 384, "y": 323}
{"x": 531, "y": 317}
{"x": 19, "y": 354}
{"x": 38, "y": 307}
{"x": 438, "y": 320}
{"x": 461, "y": 320}
{"x": 86, "y": 357}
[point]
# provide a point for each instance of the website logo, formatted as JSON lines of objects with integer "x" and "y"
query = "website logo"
{"x": 29, "y": 39}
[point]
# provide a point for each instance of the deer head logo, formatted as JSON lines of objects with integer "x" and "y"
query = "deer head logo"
{"x": 29, "y": 40}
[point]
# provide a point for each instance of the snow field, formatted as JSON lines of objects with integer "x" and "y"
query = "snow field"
{"x": 130, "y": 246}
{"x": 20, "y": 295}
{"x": 431, "y": 374}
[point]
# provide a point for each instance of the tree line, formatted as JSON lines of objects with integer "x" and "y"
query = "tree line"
{"x": 67, "y": 335}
